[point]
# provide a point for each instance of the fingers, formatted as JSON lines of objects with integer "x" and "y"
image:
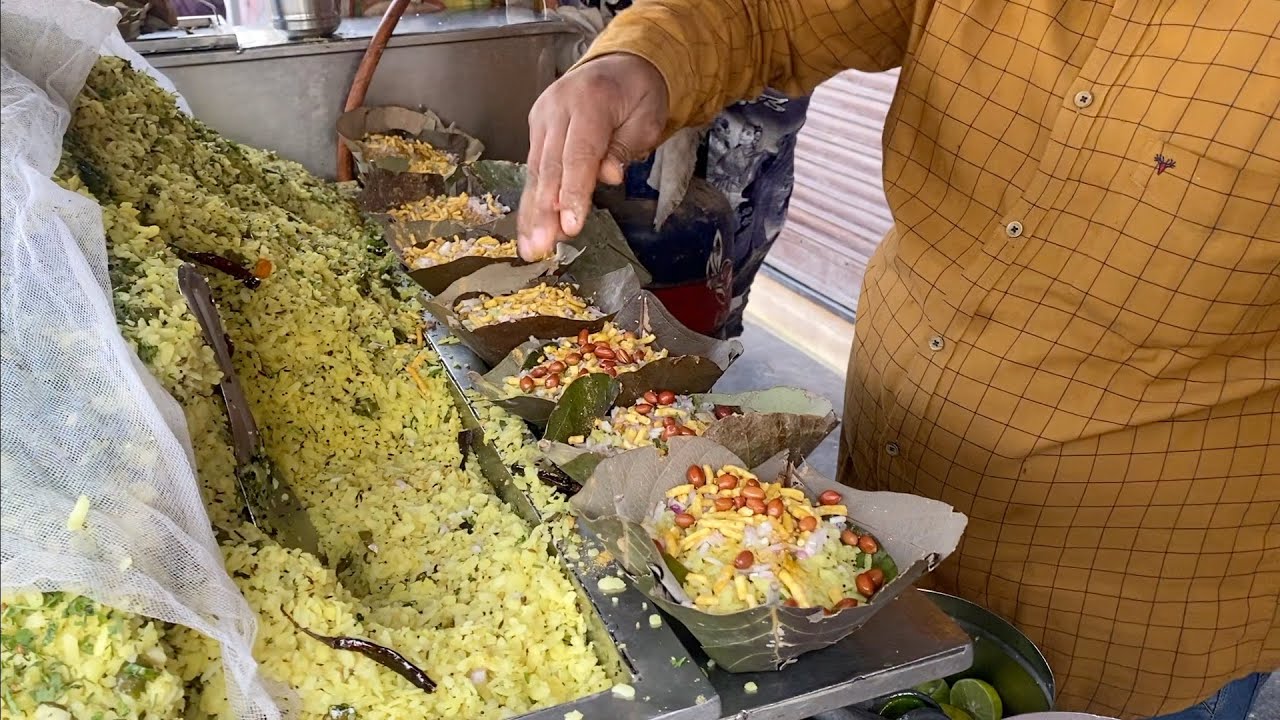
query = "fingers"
{"x": 584, "y": 150}
{"x": 528, "y": 205}
{"x": 583, "y": 130}
{"x": 613, "y": 169}
{"x": 539, "y": 220}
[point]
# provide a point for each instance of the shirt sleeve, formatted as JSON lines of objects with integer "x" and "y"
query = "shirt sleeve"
{"x": 715, "y": 52}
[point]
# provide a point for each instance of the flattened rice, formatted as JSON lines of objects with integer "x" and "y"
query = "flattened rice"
{"x": 354, "y": 412}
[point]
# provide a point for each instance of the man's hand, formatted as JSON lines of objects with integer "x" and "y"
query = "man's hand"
{"x": 586, "y": 127}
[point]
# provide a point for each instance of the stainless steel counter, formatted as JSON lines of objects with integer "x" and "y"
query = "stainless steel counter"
{"x": 480, "y": 69}
{"x": 908, "y": 643}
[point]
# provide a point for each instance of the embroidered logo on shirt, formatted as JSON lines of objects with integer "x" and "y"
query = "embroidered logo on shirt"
{"x": 1163, "y": 163}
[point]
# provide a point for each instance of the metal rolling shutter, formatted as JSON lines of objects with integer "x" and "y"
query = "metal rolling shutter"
{"x": 838, "y": 213}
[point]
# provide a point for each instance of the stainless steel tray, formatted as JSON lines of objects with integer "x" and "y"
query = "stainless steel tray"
{"x": 203, "y": 32}
{"x": 909, "y": 642}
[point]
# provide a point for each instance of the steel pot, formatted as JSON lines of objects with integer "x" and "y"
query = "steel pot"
{"x": 301, "y": 19}
{"x": 1002, "y": 656}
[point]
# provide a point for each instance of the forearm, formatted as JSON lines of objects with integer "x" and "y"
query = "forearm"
{"x": 715, "y": 52}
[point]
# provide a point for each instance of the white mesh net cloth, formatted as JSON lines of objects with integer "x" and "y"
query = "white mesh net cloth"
{"x": 79, "y": 414}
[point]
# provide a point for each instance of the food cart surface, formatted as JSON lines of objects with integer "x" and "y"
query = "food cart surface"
{"x": 909, "y": 642}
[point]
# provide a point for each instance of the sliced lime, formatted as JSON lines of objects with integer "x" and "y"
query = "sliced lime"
{"x": 936, "y": 689}
{"x": 977, "y": 698}
{"x": 954, "y": 712}
{"x": 899, "y": 705}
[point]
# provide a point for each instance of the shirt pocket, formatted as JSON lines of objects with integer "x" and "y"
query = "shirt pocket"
{"x": 1211, "y": 233}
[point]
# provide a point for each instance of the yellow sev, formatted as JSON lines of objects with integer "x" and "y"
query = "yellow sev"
{"x": 422, "y": 156}
{"x": 777, "y": 513}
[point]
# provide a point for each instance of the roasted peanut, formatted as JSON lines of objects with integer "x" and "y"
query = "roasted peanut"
{"x": 556, "y": 367}
{"x": 753, "y": 491}
{"x": 775, "y": 508}
{"x": 868, "y": 544}
{"x": 849, "y": 537}
{"x": 573, "y": 358}
{"x": 724, "y": 503}
{"x": 744, "y": 560}
{"x": 651, "y": 397}
{"x": 808, "y": 524}
{"x": 830, "y": 497}
{"x": 724, "y": 411}
{"x": 877, "y": 577}
{"x": 684, "y": 520}
{"x": 526, "y": 384}
{"x": 844, "y": 604}
{"x": 666, "y": 397}
{"x": 644, "y": 408}
{"x": 726, "y": 482}
{"x": 604, "y": 352}
{"x": 756, "y": 505}
{"x": 696, "y": 476}
{"x": 552, "y": 381}
{"x": 538, "y": 373}
{"x": 584, "y": 335}
{"x": 623, "y": 356}
{"x": 866, "y": 587}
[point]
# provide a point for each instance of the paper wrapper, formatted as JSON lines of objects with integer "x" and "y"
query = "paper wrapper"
{"x": 387, "y": 189}
{"x": 772, "y": 421}
{"x": 917, "y": 534}
{"x": 610, "y": 293}
{"x": 601, "y": 246}
{"x": 695, "y": 363}
{"x": 776, "y": 420}
{"x": 437, "y": 278}
{"x": 355, "y": 125}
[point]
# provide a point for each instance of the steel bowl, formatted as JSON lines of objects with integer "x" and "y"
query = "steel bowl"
{"x": 301, "y": 19}
{"x": 1004, "y": 657}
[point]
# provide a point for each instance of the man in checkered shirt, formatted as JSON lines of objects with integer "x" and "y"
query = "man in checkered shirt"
{"x": 1072, "y": 331}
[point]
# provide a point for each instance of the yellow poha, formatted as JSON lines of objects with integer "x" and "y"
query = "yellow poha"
{"x": 354, "y": 412}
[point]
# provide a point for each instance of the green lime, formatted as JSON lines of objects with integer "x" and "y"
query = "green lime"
{"x": 954, "y": 712}
{"x": 899, "y": 705}
{"x": 977, "y": 698}
{"x": 936, "y": 689}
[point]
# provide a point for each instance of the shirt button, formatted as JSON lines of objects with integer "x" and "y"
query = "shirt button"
{"x": 1013, "y": 229}
{"x": 936, "y": 343}
{"x": 892, "y": 448}
{"x": 1084, "y": 99}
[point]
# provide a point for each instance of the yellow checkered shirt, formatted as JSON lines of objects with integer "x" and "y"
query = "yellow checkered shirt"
{"x": 1072, "y": 332}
